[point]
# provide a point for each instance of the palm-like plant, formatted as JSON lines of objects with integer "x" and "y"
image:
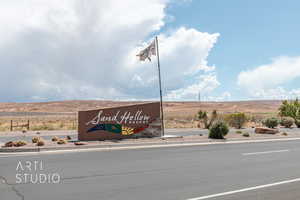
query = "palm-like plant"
{"x": 203, "y": 116}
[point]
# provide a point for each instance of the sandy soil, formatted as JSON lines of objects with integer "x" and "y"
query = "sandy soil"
{"x": 190, "y": 107}
{"x": 61, "y": 115}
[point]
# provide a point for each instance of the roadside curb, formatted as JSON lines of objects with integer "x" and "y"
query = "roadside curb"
{"x": 106, "y": 147}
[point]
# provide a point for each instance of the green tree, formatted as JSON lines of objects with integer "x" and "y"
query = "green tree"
{"x": 291, "y": 109}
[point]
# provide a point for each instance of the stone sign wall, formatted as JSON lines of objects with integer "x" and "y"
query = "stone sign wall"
{"x": 140, "y": 120}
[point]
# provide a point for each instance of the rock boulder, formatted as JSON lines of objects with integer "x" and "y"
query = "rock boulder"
{"x": 264, "y": 130}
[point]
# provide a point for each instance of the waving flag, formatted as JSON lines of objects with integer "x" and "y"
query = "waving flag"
{"x": 147, "y": 52}
{"x": 152, "y": 50}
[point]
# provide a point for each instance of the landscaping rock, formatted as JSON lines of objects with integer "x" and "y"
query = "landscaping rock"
{"x": 40, "y": 143}
{"x": 264, "y": 130}
{"x": 80, "y": 143}
{"x": 9, "y": 144}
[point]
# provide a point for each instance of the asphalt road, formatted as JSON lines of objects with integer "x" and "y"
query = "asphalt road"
{"x": 161, "y": 174}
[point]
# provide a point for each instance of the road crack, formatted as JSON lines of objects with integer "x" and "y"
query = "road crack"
{"x": 138, "y": 172}
{"x": 12, "y": 186}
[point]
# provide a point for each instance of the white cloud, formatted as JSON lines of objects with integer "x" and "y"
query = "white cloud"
{"x": 266, "y": 81}
{"x": 205, "y": 84}
{"x": 225, "y": 96}
{"x": 86, "y": 49}
{"x": 277, "y": 93}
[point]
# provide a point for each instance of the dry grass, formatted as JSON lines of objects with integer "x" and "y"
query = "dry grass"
{"x": 37, "y": 123}
{"x": 35, "y": 139}
{"x": 61, "y": 141}
{"x": 63, "y": 115}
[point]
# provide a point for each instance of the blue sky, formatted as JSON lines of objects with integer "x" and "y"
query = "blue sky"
{"x": 86, "y": 49}
{"x": 251, "y": 34}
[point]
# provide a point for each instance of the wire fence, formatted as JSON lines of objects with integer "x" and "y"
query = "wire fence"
{"x": 38, "y": 121}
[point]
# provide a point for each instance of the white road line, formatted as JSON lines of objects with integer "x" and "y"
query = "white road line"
{"x": 112, "y": 148}
{"x": 2, "y": 155}
{"x": 245, "y": 189}
{"x": 265, "y": 152}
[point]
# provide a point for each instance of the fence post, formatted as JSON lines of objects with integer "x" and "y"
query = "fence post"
{"x": 11, "y": 125}
{"x": 28, "y": 125}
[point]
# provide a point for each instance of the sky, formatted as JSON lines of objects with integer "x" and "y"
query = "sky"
{"x": 86, "y": 49}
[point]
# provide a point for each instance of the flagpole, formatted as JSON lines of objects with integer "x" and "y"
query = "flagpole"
{"x": 160, "y": 91}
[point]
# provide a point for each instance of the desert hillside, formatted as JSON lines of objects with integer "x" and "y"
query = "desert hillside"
{"x": 62, "y": 115}
{"x": 170, "y": 107}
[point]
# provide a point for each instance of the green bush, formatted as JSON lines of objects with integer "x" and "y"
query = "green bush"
{"x": 297, "y": 122}
{"x": 246, "y": 134}
{"x": 238, "y": 132}
{"x": 236, "y": 120}
{"x": 286, "y": 122}
{"x": 218, "y": 130}
{"x": 271, "y": 122}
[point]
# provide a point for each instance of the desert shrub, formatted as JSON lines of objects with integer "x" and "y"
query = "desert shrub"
{"x": 61, "y": 125}
{"x": 35, "y": 139}
{"x": 40, "y": 143}
{"x": 284, "y": 134}
{"x": 20, "y": 143}
{"x": 43, "y": 126}
{"x": 287, "y": 122}
{"x": 238, "y": 132}
{"x": 255, "y": 118}
{"x": 236, "y": 120}
{"x": 218, "y": 130}
{"x": 68, "y": 137}
{"x": 246, "y": 134}
{"x": 55, "y": 139}
{"x": 207, "y": 120}
{"x": 61, "y": 141}
{"x": 271, "y": 122}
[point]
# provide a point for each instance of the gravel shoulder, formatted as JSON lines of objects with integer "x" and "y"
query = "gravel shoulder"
{"x": 196, "y": 136}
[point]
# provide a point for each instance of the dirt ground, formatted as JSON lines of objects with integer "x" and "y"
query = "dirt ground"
{"x": 265, "y": 106}
{"x": 61, "y": 115}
